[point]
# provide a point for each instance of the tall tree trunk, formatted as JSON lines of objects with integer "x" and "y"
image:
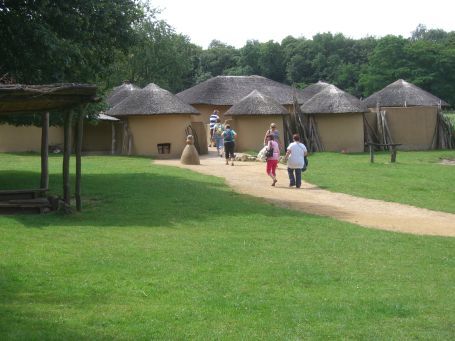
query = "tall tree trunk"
{"x": 45, "y": 151}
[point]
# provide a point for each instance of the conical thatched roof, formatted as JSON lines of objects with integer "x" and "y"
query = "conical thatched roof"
{"x": 256, "y": 103}
{"x": 403, "y": 94}
{"x": 119, "y": 93}
{"x": 229, "y": 90}
{"x": 332, "y": 100}
{"x": 151, "y": 100}
{"x": 313, "y": 89}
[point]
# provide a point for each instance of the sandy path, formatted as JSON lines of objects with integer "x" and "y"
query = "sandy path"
{"x": 250, "y": 178}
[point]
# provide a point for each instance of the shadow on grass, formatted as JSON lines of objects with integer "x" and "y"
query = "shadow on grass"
{"x": 19, "y": 322}
{"x": 143, "y": 199}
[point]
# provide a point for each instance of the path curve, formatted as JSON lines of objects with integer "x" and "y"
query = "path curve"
{"x": 250, "y": 178}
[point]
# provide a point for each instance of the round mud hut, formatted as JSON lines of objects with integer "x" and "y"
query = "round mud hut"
{"x": 222, "y": 92}
{"x": 404, "y": 113}
{"x": 339, "y": 119}
{"x": 251, "y": 117}
{"x": 154, "y": 122}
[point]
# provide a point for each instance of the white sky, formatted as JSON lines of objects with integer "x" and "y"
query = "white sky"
{"x": 236, "y": 21}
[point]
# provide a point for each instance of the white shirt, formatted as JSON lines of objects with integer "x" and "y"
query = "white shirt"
{"x": 296, "y": 158}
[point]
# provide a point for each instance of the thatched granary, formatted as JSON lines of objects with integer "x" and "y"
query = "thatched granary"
{"x": 252, "y": 116}
{"x": 339, "y": 118}
{"x": 155, "y": 122}
{"x": 222, "y": 92}
{"x": 410, "y": 113}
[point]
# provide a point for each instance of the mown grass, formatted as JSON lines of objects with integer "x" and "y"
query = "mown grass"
{"x": 417, "y": 178}
{"x": 164, "y": 253}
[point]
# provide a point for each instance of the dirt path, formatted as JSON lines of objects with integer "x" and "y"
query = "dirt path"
{"x": 250, "y": 178}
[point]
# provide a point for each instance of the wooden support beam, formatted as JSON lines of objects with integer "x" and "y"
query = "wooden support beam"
{"x": 66, "y": 159}
{"x": 44, "y": 183}
{"x": 79, "y": 139}
{"x": 113, "y": 139}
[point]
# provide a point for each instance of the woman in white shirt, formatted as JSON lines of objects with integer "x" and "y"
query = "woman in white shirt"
{"x": 295, "y": 156}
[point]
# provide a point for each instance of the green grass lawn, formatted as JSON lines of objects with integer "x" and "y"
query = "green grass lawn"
{"x": 164, "y": 253}
{"x": 417, "y": 178}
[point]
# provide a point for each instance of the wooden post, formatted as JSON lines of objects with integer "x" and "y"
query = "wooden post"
{"x": 113, "y": 139}
{"x": 79, "y": 138}
{"x": 393, "y": 154}
{"x": 45, "y": 151}
{"x": 371, "y": 153}
{"x": 66, "y": 159}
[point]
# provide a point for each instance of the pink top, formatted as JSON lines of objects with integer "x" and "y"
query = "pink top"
{"x": 276, "y": 150}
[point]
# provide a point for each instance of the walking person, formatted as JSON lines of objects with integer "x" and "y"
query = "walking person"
{"x": 213, "y": 117}
{"x": 229, "y": 136}
{"x": 276, "y": 135}
{"x": 295, "y": 156}
{"x": 272, "y": 158}
{"x": 218, "y": 130}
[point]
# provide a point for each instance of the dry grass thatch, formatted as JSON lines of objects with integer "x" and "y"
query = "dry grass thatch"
{"x": 151, "y": 100}
{"x": 20, "y": 98}
{"x": 119, "y": 93}
{"x": 229, "y": 90}
{"x": 313, "y": 89}
{"x": 257, "y": 104}
{"x": 332, "y": 100}
{"x": 402, "y": 94}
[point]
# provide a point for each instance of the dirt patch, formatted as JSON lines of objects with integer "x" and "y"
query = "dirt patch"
{"x": 250, "y": 178}
{"x": 448, "y": 162}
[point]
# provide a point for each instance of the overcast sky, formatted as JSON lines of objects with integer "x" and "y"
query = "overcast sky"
{"x": 236, "y": 21}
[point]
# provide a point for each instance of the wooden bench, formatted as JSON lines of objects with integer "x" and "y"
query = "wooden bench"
{"x": 38, "y": 205}
{"x": 12, "y": 194}
{"x": 391, "y": 146}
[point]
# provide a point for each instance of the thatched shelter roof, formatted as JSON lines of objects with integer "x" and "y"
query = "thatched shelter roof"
{"x": 21, "y": 98}
{"x": 332, "y": 100}
{"x": 313, "y": 89}
{"x": 119, "y": 93}
{"x": 402, "y": 94}
{"x": 256, "y": 103}
{"x": 151, "y": 100}
{"x": 229, "y": 90}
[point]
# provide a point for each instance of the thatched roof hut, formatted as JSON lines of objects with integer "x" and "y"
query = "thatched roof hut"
{"x": 408, "y": 114}
{"x": 332, "y": 100}
{"x": 229, "y": 90}
{"x": 151, "y": 100}
{"x": 252, "y": 116}
{"x": 255, "y": 103}
{"x": 339, "y": 119}
{"x": 403, "y": 94}
{"x": 313, "y": 89}
{"x": 119, "y": 93}
{"x": 155, "y": 122}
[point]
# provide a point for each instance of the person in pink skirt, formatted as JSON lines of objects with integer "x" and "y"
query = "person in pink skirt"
{"x": 272, "y": 161}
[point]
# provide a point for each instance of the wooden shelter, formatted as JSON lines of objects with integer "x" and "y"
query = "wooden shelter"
{"x": 339, "y": 119}
{"x": 17, "y": 99}
{"x": 403, "y": 113}
{"x": 251, "y": 117}
{"x": 154, "y": 122}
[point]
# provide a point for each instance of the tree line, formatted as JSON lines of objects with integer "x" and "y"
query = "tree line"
{"x": 109, "y": 41}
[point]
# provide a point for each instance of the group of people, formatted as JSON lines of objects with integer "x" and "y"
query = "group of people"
{"x": 223, "y": 136}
